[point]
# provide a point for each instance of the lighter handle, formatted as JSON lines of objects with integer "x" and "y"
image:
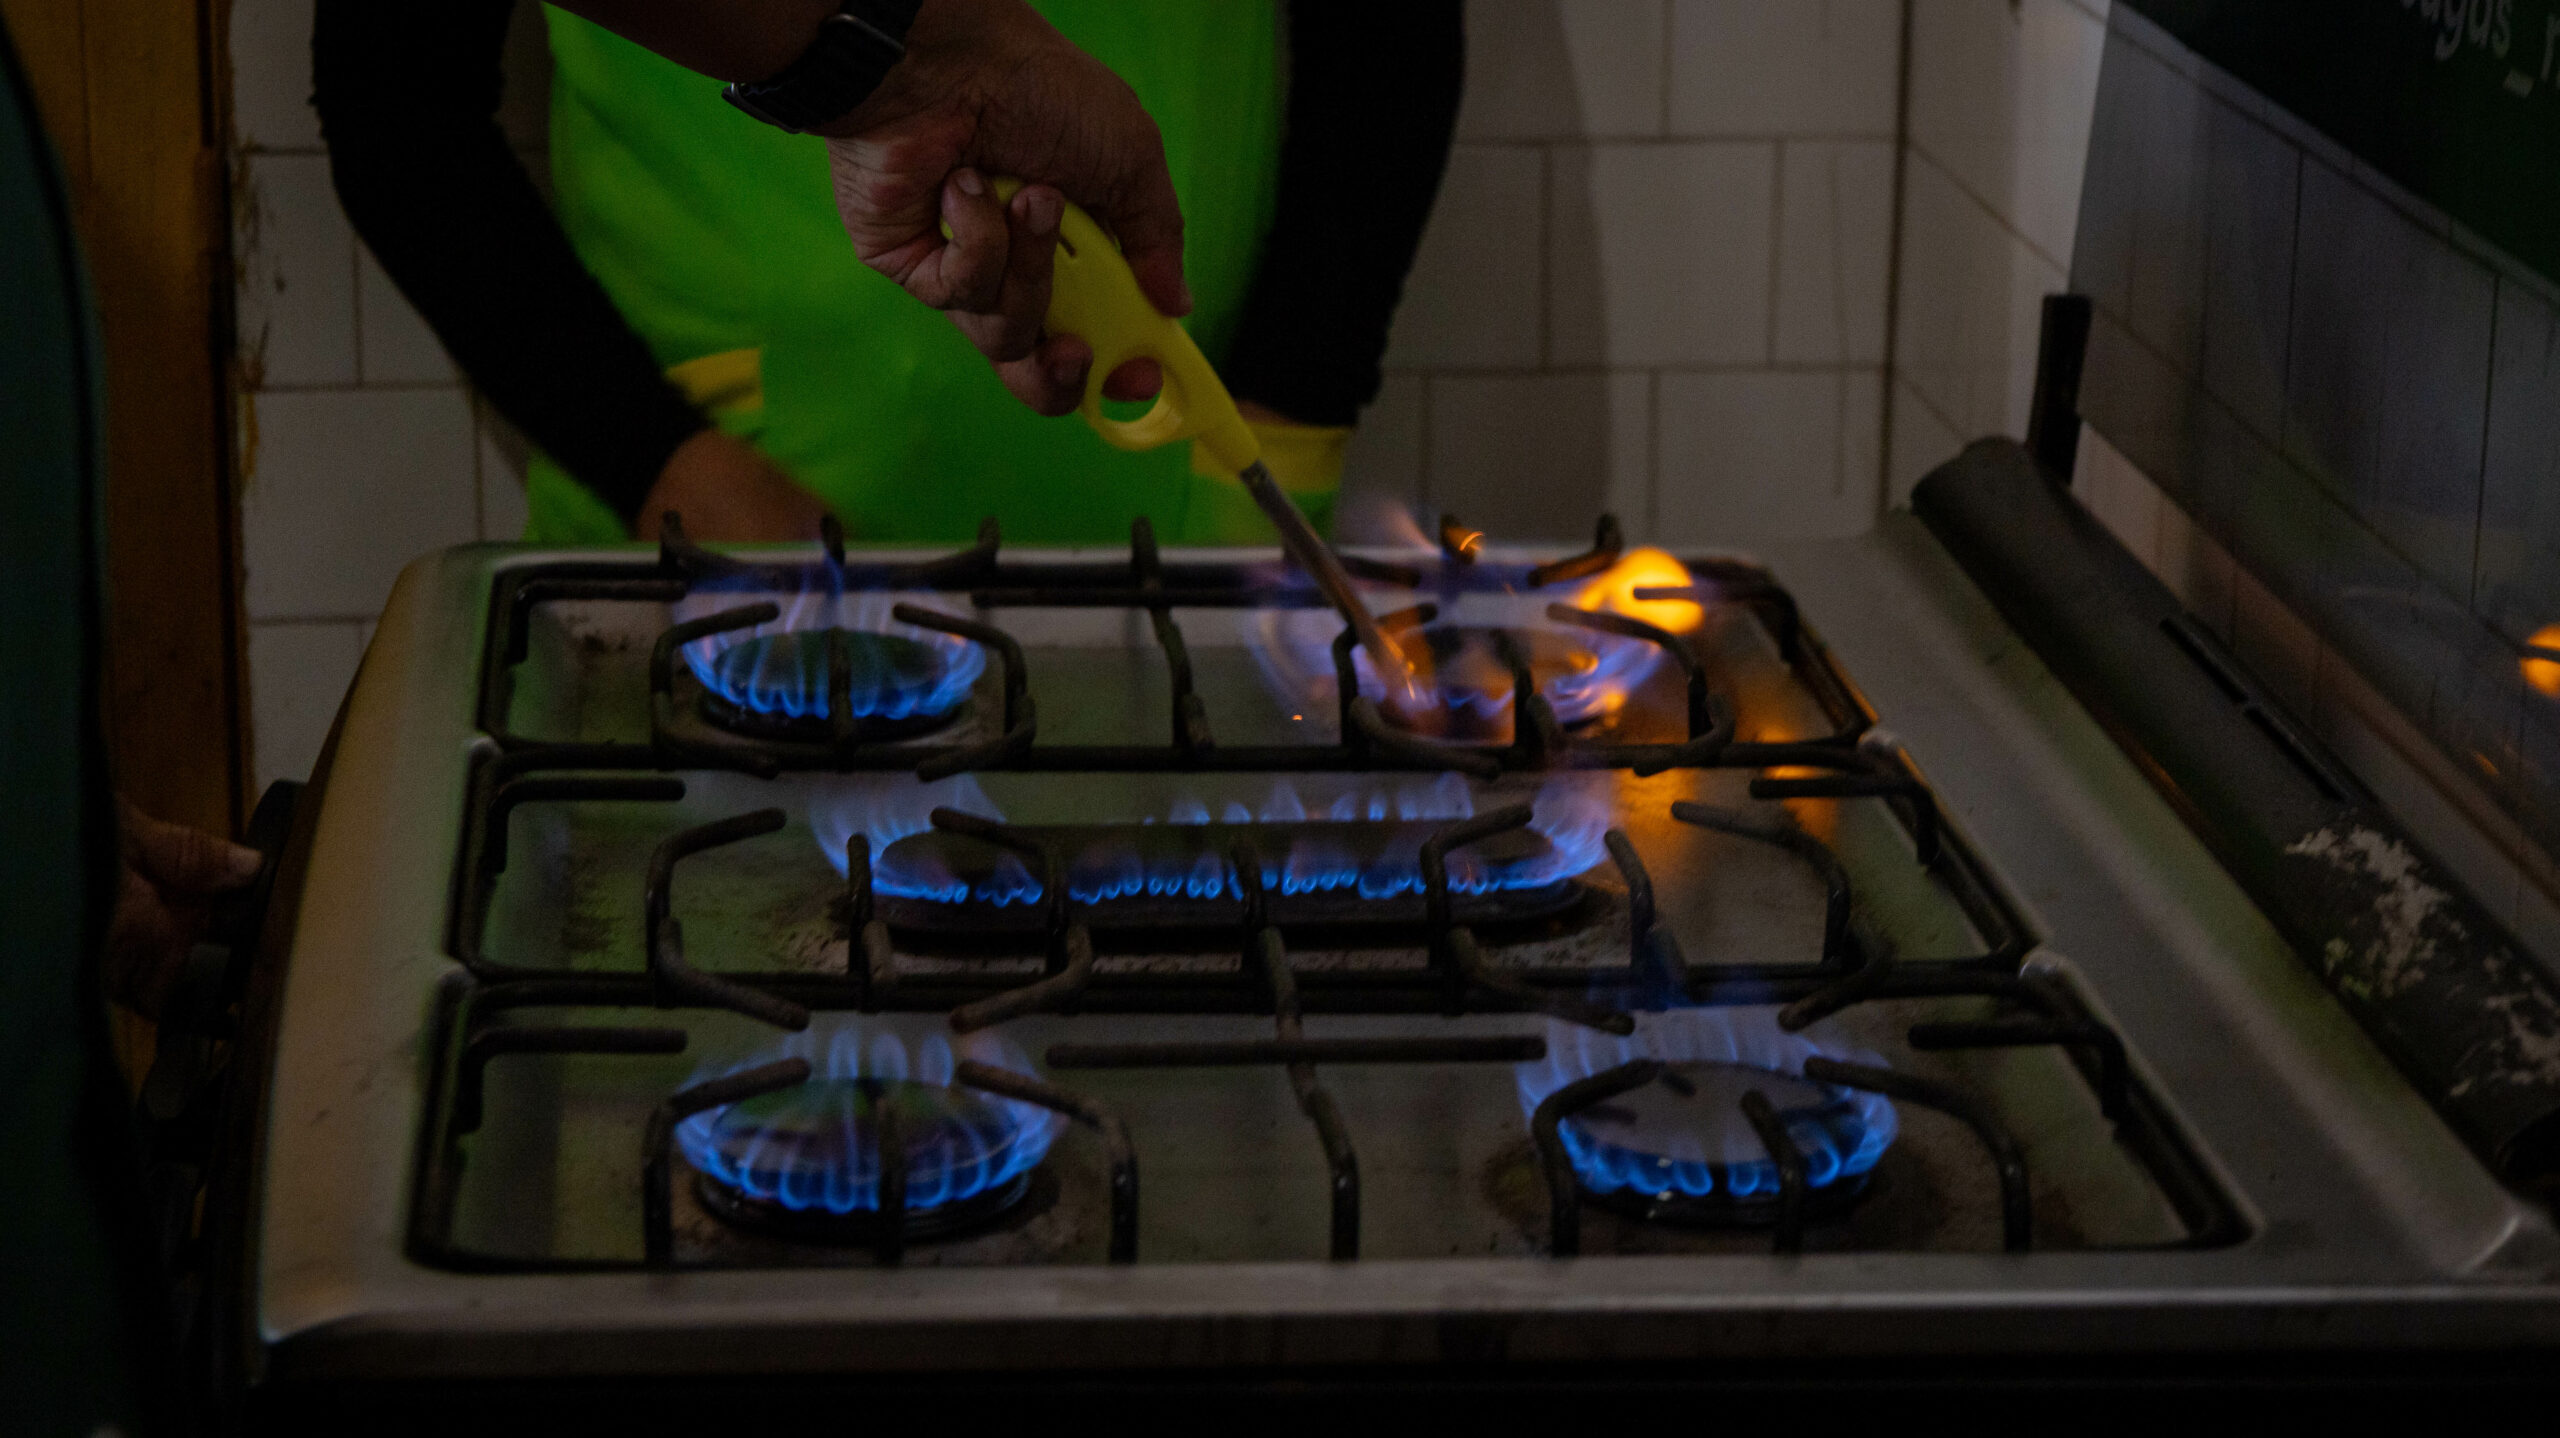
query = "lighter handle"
{"x": 1094, "y": 296}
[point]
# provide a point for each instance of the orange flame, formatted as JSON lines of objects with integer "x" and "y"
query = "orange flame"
{"x": 2540, "y": 670}
{"x": 1615, "y": 591}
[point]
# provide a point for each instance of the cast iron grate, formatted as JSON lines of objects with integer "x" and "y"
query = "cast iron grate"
{"x": 1852, "y": 762}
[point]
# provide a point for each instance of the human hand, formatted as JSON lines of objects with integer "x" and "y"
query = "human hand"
{"x": 989, "y": 88}
{"x": 173, "y": 875}
{"x": 727, "y": 492}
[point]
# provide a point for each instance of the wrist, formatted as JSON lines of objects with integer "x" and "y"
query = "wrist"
{"x": 858, "y": 45}
{"x": 950, "y": 44}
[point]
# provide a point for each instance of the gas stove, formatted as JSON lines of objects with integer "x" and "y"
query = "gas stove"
{"x": 811, "y": 961}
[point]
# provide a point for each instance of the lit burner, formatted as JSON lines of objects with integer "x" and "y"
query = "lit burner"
{"x": 1352, "y": 856}
{"x": 1680, "y": 1149}
{"x": 1585, "y": 676}
{"x": 1467, "y": 659}
{"x": 805, "y": 1162}
{"x": 775, "y": 679}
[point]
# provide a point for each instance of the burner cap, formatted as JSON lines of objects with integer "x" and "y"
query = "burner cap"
{"x": 778, "y": 685}
{"x": 1680, "y": 1150}
{"x": 1585, "y": 677}
{"x": 804, "y": 1162}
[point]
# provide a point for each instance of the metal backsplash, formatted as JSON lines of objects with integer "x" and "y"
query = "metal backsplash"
{"x": 2345, "y": 386}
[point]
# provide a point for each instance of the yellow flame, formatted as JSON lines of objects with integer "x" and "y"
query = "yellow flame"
{"x": 2544, "y": 674}
{"x": 1615, "y": 591}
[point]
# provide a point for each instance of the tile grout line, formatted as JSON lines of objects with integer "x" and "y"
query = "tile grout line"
{"x": 1636, "y": 140}
{"x": 1793, "y": 367}
{"x": 1777, "y": 242}
{"x": 1670, "y": 70}
{"x": 2488, "y": 430}
{"x": 2003, "y": 221}
{"x": 1422, "y": 469}
{"x": 1654, "y": 418}
{"x": 355, "y": 300}
{"x": 1894, "y": 244}
{"x": 479, "y": 468}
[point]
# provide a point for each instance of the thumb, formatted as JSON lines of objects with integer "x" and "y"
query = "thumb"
{"x": 184, "y": 860}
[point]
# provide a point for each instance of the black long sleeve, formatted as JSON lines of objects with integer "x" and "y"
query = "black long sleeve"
{"x": 1373, "y": 100}
{"x": 408, "y": 101}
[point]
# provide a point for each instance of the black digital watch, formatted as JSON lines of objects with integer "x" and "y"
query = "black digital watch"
{"x": 853, "y": 53}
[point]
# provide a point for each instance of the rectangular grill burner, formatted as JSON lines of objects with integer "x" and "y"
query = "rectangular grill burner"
{"x": 1555, "y": 932}
{"x": 1329, "y": 875}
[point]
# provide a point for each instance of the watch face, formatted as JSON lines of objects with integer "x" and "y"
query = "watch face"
{"x": 851, "y": 55}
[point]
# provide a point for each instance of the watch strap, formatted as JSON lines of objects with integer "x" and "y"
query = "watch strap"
{"x": 853, "y": 53}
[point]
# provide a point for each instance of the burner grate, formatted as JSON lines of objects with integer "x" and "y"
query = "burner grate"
{"x": 1444, "y": 897}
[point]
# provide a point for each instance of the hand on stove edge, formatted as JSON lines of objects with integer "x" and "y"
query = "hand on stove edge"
{"x": 164, "y": 902}
{"x": 728, "y": 492}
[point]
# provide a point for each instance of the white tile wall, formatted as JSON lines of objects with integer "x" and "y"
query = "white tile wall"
{"x": 2002, "y": 93}
{"x": 1662, "y": 254}
{"x": 361, "y": 448}
{"x": 1476, "y": 299}
{"x": 393, "y": 345}
{"x": 1563, "y": 69}
{"x": 1754, "y": 456}
{"x": 291, "y": 719}
{"x": 1972, "y": 292}
{"x": 1565, "y": 447}
{"x": 1918, "y": 440}
{"x": 346, "y": 487}
{"x": 297, "y": 297}
{"x": 271, "y": 75}
{"x": 1835, "y": 252}
{"x": 1798, "y": 68}
{"x": 1655, "y": 205}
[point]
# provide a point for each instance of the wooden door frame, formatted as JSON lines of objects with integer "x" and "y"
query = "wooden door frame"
{"x": 137, "y": 96}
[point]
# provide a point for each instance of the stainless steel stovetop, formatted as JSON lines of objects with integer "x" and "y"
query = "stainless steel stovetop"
{"x": 579, "y": 907}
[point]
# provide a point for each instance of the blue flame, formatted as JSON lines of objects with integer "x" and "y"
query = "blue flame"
{"x": 1843, "y": 1139}
{"x": 1570, "y": 813}
{"x": 762, "y": 671}
{"x": 814, "y": 1158}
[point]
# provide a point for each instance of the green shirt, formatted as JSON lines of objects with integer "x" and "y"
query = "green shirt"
{"x": 714, "y": 234}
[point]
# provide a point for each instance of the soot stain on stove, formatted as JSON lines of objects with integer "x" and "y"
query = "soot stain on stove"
{"x": 587, "y": 924}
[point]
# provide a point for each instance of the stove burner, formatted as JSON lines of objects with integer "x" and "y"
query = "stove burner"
{"x": 804, "y": 1163}
{"x": 776, "y": 685}
{"x": 1679, "y": 1149}
{"x": 776, "y": 680}
{"x": 1489, "y": 627}
{"x": 1471, "y": 674}
{"x": 1351, "y": 857}
{"x": 1179, "y": 875}
{"x": 1673, "y": 1151}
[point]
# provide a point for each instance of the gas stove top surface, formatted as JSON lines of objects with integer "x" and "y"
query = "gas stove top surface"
{"x": 728, "y": 956}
